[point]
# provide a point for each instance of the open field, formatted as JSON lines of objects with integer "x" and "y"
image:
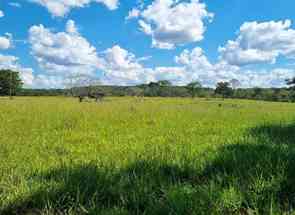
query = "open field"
{"x": 157, "y": 156}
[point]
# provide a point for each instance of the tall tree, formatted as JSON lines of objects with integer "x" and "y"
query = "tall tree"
{"x": 224, "y": 89}
{"x": 10, "y": 82}
{"x": 81, "y": 84}
{"x": 257, "y": 92}
{"x": 193, "y": 88}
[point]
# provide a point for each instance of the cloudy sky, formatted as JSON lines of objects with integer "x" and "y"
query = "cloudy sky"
{"x": 128, "y": 42}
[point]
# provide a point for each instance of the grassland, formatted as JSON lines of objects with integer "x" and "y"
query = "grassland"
{"x": 157, "y": 156}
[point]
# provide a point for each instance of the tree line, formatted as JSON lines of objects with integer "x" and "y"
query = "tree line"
{"x": 11, "y": 85}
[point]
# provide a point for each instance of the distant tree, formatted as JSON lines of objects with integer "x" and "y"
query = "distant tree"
{"x": 133, "y": 91}
{"x": 257, "y": 92}
{"x": 193, "y": 88}
{"x": 83, "y": 85}
{"x": 154, "y": 89}
{"x": 10, "y": 83}
{"x": 224, "y": 89}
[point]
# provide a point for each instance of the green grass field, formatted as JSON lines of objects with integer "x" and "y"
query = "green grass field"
{"x": 157, "y": 156}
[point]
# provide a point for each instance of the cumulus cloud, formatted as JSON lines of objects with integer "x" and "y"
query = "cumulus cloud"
{"x": 134, "y": 13}
{"x": 260, "y": 43}
{"x": 61, "y": 55}
{"x": 5, "y": 42}
{"x": 176, "y": 75}
{"x": 7, "y": 61}
{"x": 15, "y": 4}
{"x": 171, "y": 23}
{"x": 1, "y": 13}
{"x": 71, "y": 27}
{"x": 122, "y": 67}
{"x": 60, "y": 8}
{"x": 198, "y": 67}
{"x": 63, "y": 52}
{"x": 28, "y": 76}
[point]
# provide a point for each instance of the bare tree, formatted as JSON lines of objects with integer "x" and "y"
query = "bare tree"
{"x": 84, "y": 86}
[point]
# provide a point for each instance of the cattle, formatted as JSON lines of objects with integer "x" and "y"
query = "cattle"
{"x": 95, "y": 95}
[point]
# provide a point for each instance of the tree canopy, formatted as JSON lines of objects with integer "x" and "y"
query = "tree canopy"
{"x": 224, "y": 89}
{"x": 193, "y": 88}
{"x": 10, "y": 82}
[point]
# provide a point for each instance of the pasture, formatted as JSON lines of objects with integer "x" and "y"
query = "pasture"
{"x": 157, "y": 156}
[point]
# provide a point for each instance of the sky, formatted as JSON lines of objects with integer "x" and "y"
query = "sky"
{"x": 129, "y": 42}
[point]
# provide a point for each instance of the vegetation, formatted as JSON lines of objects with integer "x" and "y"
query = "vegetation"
{"x": 146, "y": 156}
{"x": 224, "y": 89}
{"x": 10, "y": 83}
{"x": 166, "y": 89}
{"x": 193, "y": 88}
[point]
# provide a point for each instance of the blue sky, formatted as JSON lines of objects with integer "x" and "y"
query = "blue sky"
{"x": 180, "y": 41}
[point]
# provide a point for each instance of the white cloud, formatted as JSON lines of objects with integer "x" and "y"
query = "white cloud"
{"x": 15, "y": 4}
{"x": 171, "y": 23}
{"x": 48, "y": 81}
{"x": 177, "y": 75}
{"x": 195, "y": 58}
{"x": 5, "y": 42}
{"x": 1, "y": 14}
{"x": 198, "y": 67}
{"x": 63, "y": 52}
{"x": 71, "y": 27}
{"x": 260, "y": 43}
{"x": 27, "y": 77}
{"x": 134, "y": 13}
{"x": 62, "y": 7}
{"x": 122, "y": 67}
{"x": 266, "y": 78}
{"x": 7, "y": 61}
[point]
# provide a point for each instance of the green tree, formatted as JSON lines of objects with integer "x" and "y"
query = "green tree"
{"x": 10, "y": 83}
{"x": 224, "y": 89}
{"x": 257, "y": 93}
{"x": 193, "y": 88}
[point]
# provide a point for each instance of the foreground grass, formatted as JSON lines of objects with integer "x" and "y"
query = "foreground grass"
{"x": 157, "y": 156}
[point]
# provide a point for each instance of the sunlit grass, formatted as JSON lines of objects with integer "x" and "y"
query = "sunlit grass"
{"x": 151, "y": 156}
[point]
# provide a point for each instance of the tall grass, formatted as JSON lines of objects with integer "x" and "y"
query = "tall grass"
{"x": 157, "y": 156}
